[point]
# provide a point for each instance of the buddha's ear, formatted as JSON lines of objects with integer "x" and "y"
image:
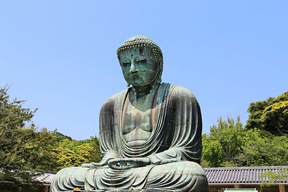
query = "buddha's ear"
{"x": 160, "y": 70}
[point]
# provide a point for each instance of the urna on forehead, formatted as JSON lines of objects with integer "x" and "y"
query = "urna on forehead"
{"x": 142, "y": 41}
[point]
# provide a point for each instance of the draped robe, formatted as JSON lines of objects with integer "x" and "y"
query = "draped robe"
{"x": 174, "y": 148}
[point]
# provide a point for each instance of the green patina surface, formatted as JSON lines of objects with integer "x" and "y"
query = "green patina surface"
{"x": 150, "y": 133}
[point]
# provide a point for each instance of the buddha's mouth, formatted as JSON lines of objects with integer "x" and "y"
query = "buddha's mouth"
{"x": 134, "y": 76}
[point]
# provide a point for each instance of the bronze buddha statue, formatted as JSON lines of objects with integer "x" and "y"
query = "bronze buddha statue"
{"x": 150, "y": 133}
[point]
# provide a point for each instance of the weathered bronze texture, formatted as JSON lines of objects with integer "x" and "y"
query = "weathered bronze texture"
{"x": 150, "y": 134}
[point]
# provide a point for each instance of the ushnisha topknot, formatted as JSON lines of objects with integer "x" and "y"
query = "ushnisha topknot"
{"x": 142, "y": 41}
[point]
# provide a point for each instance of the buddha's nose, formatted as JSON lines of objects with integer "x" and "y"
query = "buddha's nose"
{"x": 133, "y": 68}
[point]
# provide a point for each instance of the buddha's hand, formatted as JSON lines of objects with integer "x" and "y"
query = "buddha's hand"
{"x": 92, "y": 165}
{"x": 95, "y": 165}
{"x": 165, "y": 161}
{"x": 128, "y": 163}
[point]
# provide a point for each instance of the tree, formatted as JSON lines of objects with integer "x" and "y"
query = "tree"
{"x": 23, "y": 151}
{"x": 270, "y": 115}
{"x": 223, "y": 145}
{"x": 12, "y": 119}
{"x": 264, "y": 149}
{"x": 212, "y": 152}
{"x": 95, "y": 154}
{"x": 68, "y": 152}
{"x": 229, "y": 144}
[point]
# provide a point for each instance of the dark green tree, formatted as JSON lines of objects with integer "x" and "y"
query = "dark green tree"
{"x": 23, "y": 150}
{"x": 270, "y": 115}
{"x": 12, "y": 120}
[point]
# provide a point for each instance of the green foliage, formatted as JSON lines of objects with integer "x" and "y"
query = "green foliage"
{"x": 212, "y": 152}
{"x": 59, "y": 136}
{"x": 270, "y": 177}
{"x": 25, "y": 151}
{"x": 224, "y": 143}
{"x": 66, "y": 157}
{"x": 68, "y": 152}
{"x": 12, "y": 114}
{"x": 263, "y": 148}
{"x": 270, "y": 115}
{"x": 263, "y": 141}
{"x": 95, "y": 153}
{"x": 229, "y": 144}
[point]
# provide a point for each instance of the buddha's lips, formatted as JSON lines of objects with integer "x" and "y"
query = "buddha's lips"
{"x": 134, "y": 76}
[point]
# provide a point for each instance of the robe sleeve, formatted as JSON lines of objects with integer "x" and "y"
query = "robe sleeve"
{"x": 182, "y": 127}
{"x": 107, "y": 133}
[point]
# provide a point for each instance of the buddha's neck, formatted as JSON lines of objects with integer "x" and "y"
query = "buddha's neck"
{"x": 141, "y": 91}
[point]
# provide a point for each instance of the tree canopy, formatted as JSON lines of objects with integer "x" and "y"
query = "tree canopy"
{"x": 263, "y": 141}
{"x": 230, "y": 144}
{"x": 270, "y": 115}
{"x": 24, "y": 150}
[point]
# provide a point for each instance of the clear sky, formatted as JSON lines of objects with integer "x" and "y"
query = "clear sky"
{"x": 60, "y": 55}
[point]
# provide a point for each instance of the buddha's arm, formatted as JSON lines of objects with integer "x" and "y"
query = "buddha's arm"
{"x": 168, "y": 156}
{"x": 107, "y": 134}
{"x": 183, "y": 121}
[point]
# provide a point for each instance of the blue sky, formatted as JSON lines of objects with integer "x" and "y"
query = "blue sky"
{"x": 60, "y": 55}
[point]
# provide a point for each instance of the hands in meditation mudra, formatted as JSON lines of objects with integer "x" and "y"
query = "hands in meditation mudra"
{"x": 150, "y": 134}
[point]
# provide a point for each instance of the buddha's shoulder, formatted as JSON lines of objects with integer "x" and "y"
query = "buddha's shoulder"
{"x": 180, "y": 92}
{"x": 115, "y": 98}
{"x": 118, "y": 96}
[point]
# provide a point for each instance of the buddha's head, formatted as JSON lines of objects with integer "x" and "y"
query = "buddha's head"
{"x": 141, "y": 61}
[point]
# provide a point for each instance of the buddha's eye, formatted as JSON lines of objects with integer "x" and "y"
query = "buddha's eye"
{"x": 126, "y": 64}
{"x": 142, "y": 61}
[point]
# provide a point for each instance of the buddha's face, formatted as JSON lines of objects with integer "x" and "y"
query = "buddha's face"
{"x": 138, "y": 66}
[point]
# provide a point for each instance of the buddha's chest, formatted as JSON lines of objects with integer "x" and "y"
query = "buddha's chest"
{"x": 137, "y": 120}
{"x": 133, "y": 118}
